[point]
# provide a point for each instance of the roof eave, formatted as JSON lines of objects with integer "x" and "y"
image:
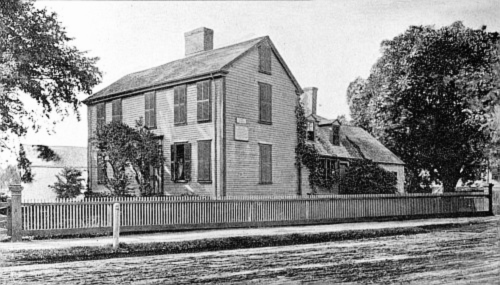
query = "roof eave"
{"x": 91, "y": 101}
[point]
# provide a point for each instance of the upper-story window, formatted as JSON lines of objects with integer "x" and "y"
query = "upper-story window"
{"x": 116, "y": 110}
{"x": 310, "y": 131}
{"x": 180, "y": 105}
{"x": 204, "y": 100}
{"x": 265, "y": 59}
{"x": 101, "y": 114}
{"x": 265, "y": 103}
{"x": 150, "y": 110}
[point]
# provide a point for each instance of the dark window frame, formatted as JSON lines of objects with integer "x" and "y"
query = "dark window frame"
{"x": 180, "y": 108}
{"x": 262, "y": 164}
{"x": 187, "y": 165}
{"x": 263, "y": 103}
{"x": 204, "y": 100}
{"x": 150, "y": 110}
{"x": 205, "y": 158}
{"x": 311, "y": 131}
{"x": 265, "y": 59}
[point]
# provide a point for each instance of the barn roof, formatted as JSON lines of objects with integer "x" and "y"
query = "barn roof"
{"x": 56, "y": 156}
{"x": 200, "y": 64}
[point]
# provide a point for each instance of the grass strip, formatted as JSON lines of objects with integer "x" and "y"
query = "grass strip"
{"x": 193, "y": 246}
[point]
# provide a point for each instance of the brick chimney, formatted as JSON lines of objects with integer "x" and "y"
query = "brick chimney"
{"x": 309, "y": 99}
{"x": 199, "y": 40}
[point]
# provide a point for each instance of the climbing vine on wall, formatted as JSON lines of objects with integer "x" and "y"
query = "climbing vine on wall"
{"x": 307, "y": 155}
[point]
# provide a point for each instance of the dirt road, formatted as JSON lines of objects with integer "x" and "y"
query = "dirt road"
{"x": 462, "y": 255}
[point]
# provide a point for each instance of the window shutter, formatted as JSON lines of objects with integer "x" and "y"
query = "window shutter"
{"x": 265, "y": 97}
{"x": 173, "y": 169}
{"x": 199, "y": 97}
{"x": 204, "y": 159}
{"x": 152, "y": 112}
{"x": 265, "y": 163}
{"x": 184, "y": 105}
{"x": 146, "y": 110}
{"x": 187, "y": 161}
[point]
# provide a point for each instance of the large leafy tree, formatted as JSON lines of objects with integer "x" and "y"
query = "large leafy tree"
{"x": 124, "y": 148}
{"x": 37, "y": 63}
{"x": 433, "y": 92}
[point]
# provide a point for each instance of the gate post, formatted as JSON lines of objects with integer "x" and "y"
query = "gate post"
{"x": 116, "y": 225}
{"x": 490, "y": 199}
{"x": 16, "y": 218}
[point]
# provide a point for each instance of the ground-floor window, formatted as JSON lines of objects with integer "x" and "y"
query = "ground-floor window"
{"x": 180, "y": 157}
{"x": 204, "y": 161}
{"x": 156, "y": 171}
{"x": 266, "y": 163}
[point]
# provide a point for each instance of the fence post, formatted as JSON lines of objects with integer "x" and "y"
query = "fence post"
{"x": 15, "y": 217}
{"x": 9, "y": 217}
{"x": 116, "y": 225}
{"x": 490, "y": 199}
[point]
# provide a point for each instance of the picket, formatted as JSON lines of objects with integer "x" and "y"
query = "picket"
{"x": 155, "y": 213}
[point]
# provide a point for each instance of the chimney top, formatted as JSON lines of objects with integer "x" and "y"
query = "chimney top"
{"x": 309, "y": 98}
{"x": 198, "y": 40}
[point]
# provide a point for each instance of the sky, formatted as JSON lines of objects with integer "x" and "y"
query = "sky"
{"x": 326, "y": 44}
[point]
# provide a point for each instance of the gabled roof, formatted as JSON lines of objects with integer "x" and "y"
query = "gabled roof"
{"x": 355, "y": 143}
{"x": 65, "y": 156}
{"x": 201, "y": 64}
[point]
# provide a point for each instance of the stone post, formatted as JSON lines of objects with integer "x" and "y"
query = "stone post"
{"x": 16, "y": 218}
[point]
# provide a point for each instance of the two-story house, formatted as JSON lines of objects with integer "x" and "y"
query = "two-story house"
{"x": 225, "y": 118}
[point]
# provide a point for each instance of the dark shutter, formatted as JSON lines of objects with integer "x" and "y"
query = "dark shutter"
{"x": 101, "y": 114}
{"x": 152, "y": 110}
{"x": 173, "y": 169}
{"x": 180, "y": 111}
{"x": 146, "y": 109}
{"x": 184, "y": 105}
{"x": 187, "y": 161}
{"x": 116, "y": 110}
{"x": 265, "y": 104}
{"x": 335, "y": 134}
{"x": 265, "y": 163}
{"x": 176, "y": 105}
{"x": 204, "y": 159}
{"x": 203, "y": 101}
{"x": 265, "y": 59}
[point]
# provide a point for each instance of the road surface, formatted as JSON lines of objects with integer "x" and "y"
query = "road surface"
{"x": 463, "y": 255}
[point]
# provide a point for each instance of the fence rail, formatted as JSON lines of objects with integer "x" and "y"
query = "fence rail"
{"x": 94, "y": 215}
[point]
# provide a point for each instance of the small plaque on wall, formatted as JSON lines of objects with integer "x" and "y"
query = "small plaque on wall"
{"x": 241, "y": 120}
{"x": 240, "y": 132}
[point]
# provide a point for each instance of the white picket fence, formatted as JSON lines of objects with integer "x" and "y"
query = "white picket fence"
{"x": 72, "y": 216}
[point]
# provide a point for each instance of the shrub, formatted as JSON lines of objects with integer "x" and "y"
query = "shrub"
{"x": 366, "y": 177}
{"x": 69, "y": 183}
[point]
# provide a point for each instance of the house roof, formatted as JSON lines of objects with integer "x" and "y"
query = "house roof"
{"x": 201, "y": 64}
{"x": 355, "y": 143}
{"x": 65, "y": 156}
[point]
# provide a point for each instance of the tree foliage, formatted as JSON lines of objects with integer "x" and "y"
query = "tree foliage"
{"x": 122, "y": 147}
{"x": 431, "y": 97}
{"x": 37, "y": 62}
{"x": 24, "y": 165}
{"x": 367, "y": 177}
{"x": 69, "y": 183}
{"x": 9, "y": 176}
{"x": 359, "y": 98}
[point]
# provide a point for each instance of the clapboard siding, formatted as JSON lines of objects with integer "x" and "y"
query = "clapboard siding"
{"x": 242, "y": 101}
{"x": 134, "y": 108}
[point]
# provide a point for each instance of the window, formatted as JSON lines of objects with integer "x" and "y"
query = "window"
{"x": 101, "y": 114}
{"x": 330, "y": 168}
{"x": 156, "y": 171}
{"x": 335, "y": 134}
{"x": 180, "y": 162}
{"x": 265, "y": 103}
{"x": 116, "y": 110}
{"x": 266, "y": 164}
{"x": 265, "y": 59}
{"x": 150, "y": 110}
{"x": 204, "y": 160}
{"x": 204, "y": 106}
{"x": 180, "y": 110}
{"x": 310, "y": 131}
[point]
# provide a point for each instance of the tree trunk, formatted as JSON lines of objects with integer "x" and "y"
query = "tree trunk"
{"x": 450, "y": 183}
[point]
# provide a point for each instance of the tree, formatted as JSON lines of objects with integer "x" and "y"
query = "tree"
{"x": 69, "y": 183}
{"x": 9, "y": 176}
{"x": 367, "y": 177}
{"x": 433, "y": 92}
{"x": 358, "y": 98}
{"x": 37, "y": 63}
{"x": 123, "y": 147}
